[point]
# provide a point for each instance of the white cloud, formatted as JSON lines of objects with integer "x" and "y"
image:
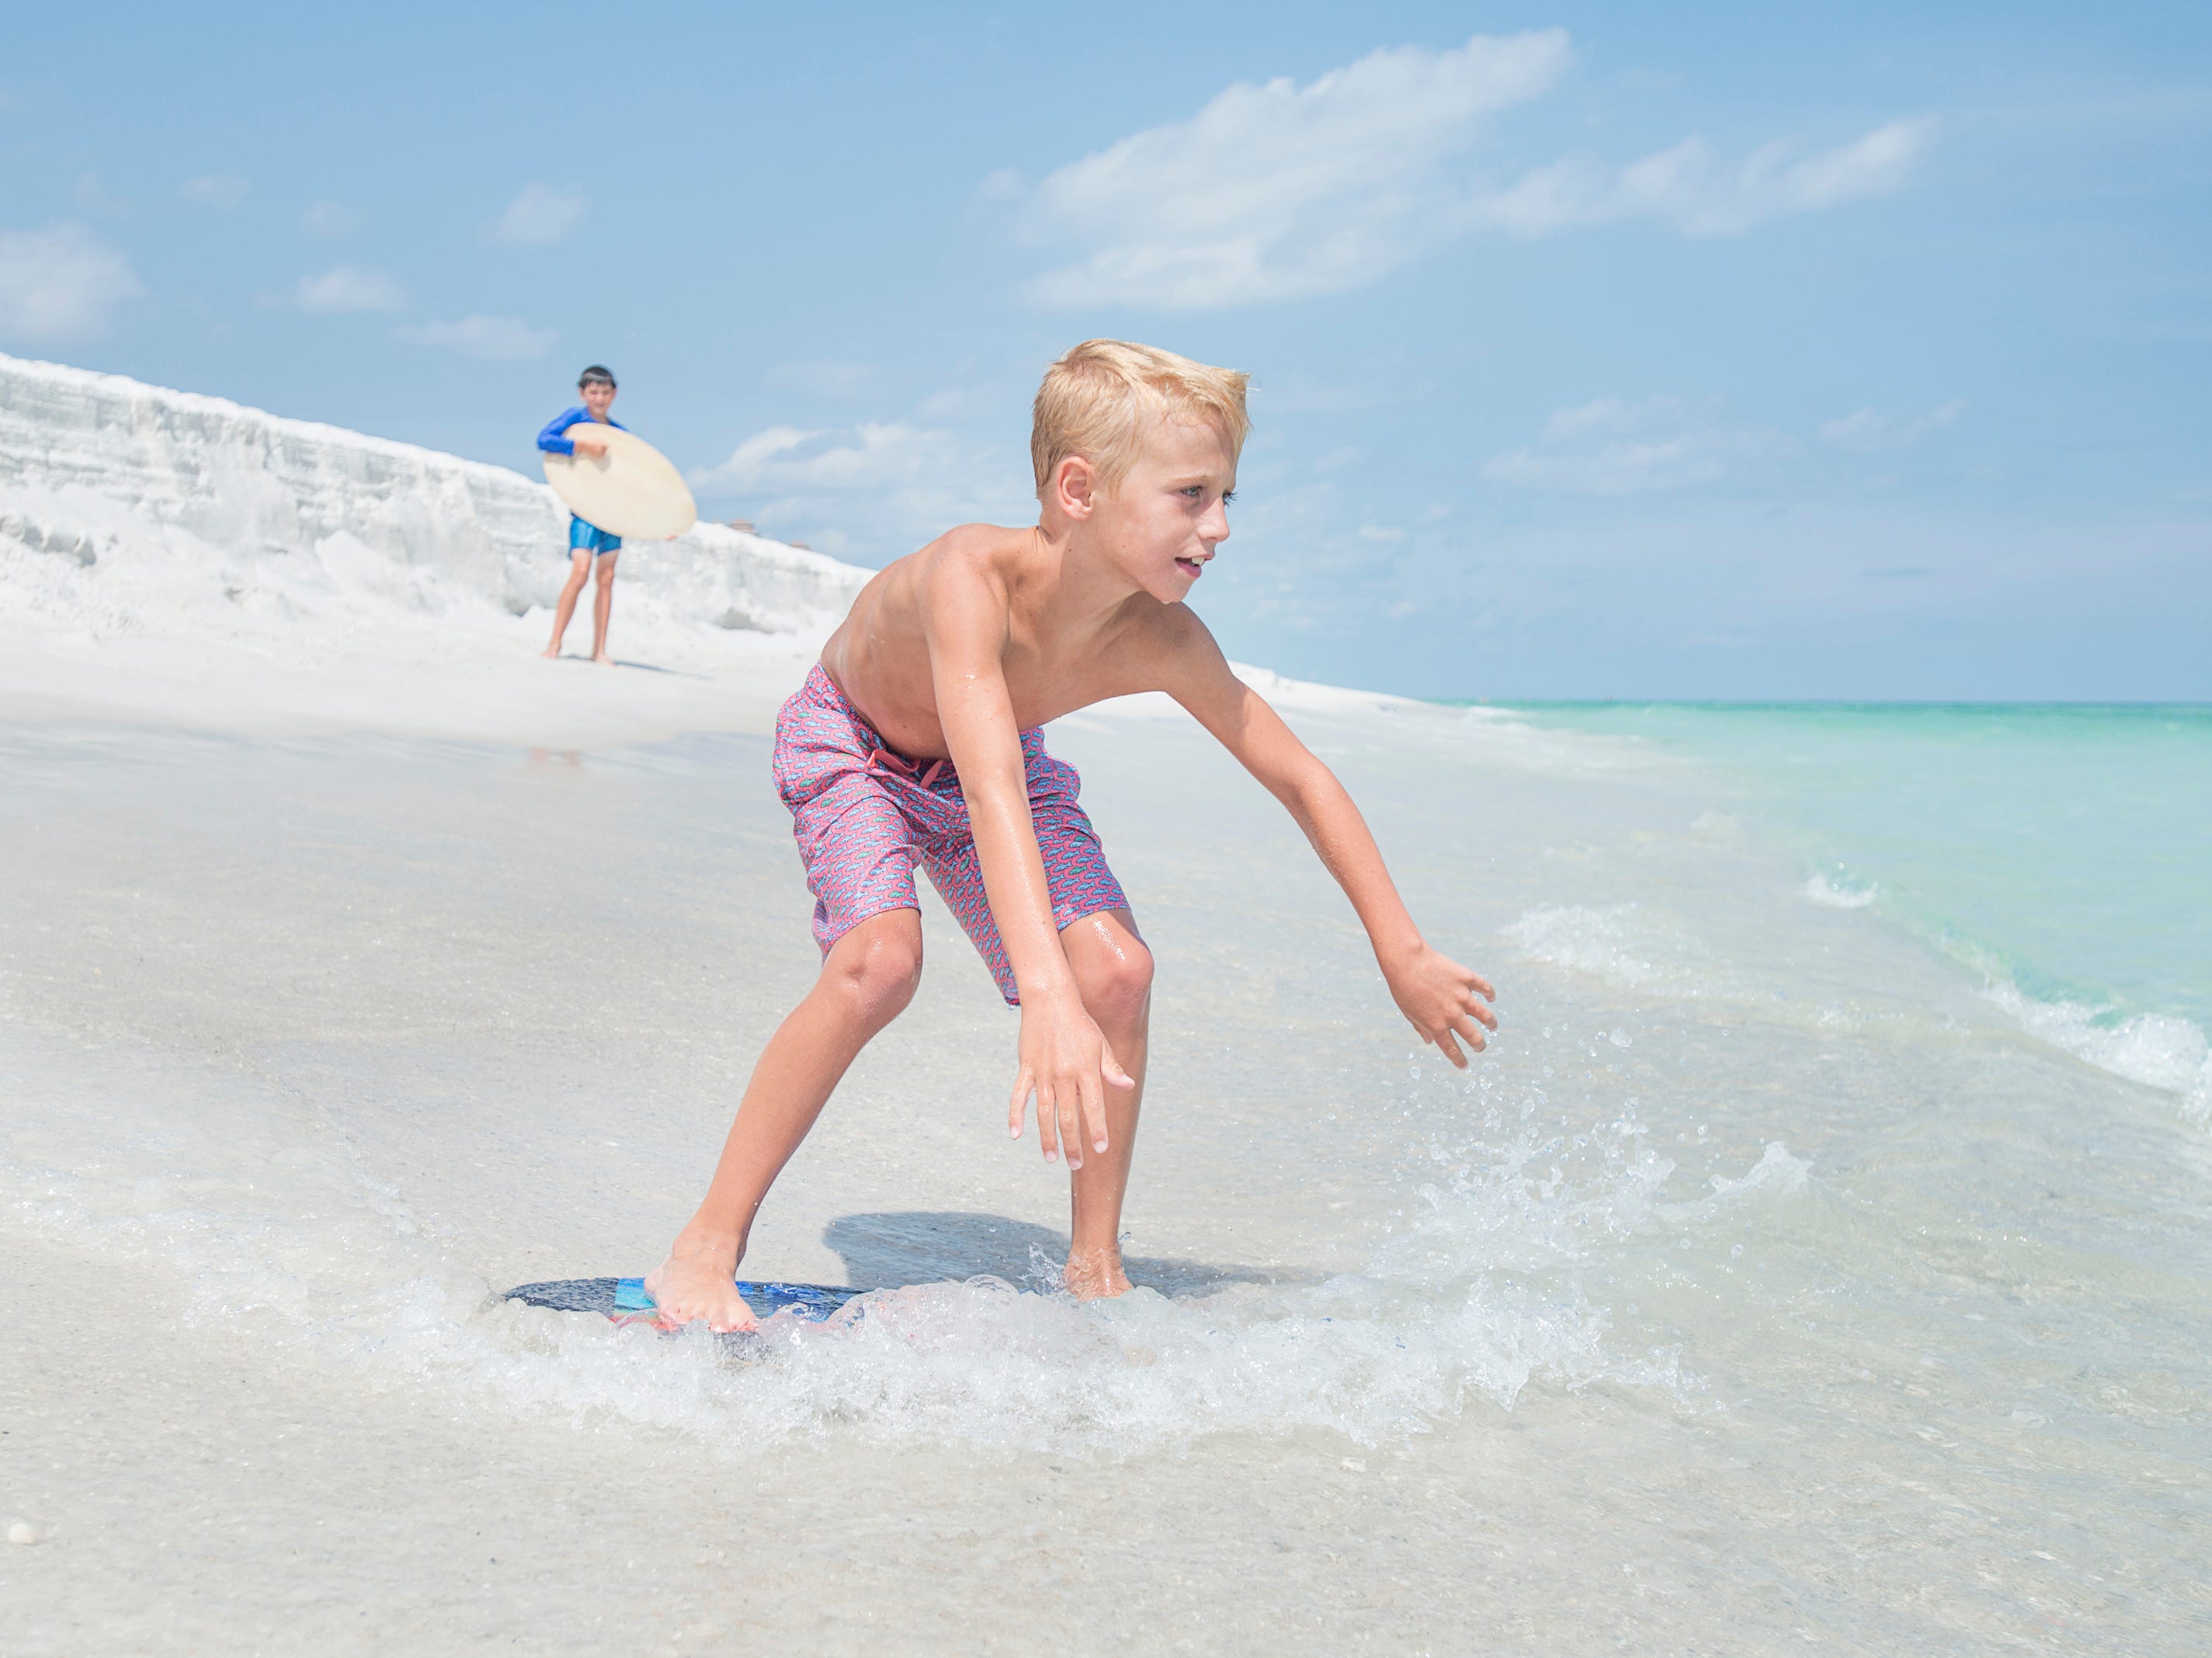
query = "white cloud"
{"x": 878, "y": 488}
{"x": 1689, "y": 188}
{"x": 1867, "y": 430}
{"x": 220, "y": 191}
{"x": 331, "y": 221}
{"x": 495, "y": 339}
{"x": 1611, "y": 447}
{"x": 538, "y": 217}
{"x": 346, "y": 287}
{"x": 60, "y": 284}
{"x": 875, "y": 455}
{"x": 1278, "y": 190}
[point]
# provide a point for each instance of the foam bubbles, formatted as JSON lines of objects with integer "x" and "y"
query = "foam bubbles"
{"x": 2156, "y": 1049}
{"x": 1595, "y": 941}
{"x": 1839, "y": 891}
{"x": 1629, "y": 946}
{"x": 1476, "y": 1296}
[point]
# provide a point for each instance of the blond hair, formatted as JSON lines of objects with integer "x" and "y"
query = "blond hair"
{"x": 1097, "y": 400}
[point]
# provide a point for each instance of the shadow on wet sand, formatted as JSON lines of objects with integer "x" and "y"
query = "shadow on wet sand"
{"x": 890, "y": 1251}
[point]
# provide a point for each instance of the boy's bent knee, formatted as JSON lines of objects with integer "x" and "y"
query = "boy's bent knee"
{"x": 1117, "y": 984}
{"x": 878, "y": 966}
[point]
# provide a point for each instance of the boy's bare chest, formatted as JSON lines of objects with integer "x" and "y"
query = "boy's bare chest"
{"x": 1042, "y": 695}
{"x": 882, "y": 657}
{"x": 900, "y": 697}
{"x": 1041, "y": 690}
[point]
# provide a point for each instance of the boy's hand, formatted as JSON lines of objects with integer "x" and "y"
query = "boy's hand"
{"x": 1442, "y": 999}
{"x": 1067, "y": 1064}
{"x": 588, "y": 444}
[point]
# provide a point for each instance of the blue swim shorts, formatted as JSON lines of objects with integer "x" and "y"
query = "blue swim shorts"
{"x": 590, "y": 538}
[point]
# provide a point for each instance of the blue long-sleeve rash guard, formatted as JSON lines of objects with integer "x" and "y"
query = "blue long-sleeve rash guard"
{"x": 553, "y": 443}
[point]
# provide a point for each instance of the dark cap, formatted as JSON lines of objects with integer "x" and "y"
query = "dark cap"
{"x": 596, "y": 374}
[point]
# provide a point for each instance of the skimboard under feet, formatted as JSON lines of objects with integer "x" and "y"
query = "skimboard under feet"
{"x": 623, "y": 1299}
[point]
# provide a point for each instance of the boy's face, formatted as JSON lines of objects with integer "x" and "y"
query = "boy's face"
{"x": 596, "y": 395}
{"x": 1159, "y": 528}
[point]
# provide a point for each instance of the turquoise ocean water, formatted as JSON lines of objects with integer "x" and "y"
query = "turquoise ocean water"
{"x": 2059, "y": 851}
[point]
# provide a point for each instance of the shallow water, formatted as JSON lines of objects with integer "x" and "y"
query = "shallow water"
{"x": 1770, "y": 1285}
{"x": 2054, "y": 849}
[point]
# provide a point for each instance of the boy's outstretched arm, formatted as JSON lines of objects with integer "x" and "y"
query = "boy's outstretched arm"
{"x": 1446, "y": 1003}
{"x": 1065, "y": 1060}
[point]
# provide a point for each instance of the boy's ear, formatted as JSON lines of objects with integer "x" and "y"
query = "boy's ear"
{"x": 1074, "y": 485}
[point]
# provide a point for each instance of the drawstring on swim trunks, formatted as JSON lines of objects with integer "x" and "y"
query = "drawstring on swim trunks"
{"x": 883, "y": 760}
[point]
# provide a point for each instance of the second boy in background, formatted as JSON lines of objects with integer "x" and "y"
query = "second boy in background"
{"x": 590, "y": 548}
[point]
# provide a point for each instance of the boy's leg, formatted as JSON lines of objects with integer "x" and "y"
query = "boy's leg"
{"x": 579, "y": 572}
{"x": 1114, "y": 970}
{"x": 866, "y": 980}
{"x": 603, "y": 606}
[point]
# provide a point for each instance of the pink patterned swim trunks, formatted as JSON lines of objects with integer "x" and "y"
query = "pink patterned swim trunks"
{"x": 865, "y": 816}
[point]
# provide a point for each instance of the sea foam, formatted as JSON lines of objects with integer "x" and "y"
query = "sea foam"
{"x": 1476, "y": 1295}
{"x": 1839, "y": 891}
{"x": 2157, "y": 1049}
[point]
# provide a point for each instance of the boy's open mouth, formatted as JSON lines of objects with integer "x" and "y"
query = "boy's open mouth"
{"x": 1190, "y": 567}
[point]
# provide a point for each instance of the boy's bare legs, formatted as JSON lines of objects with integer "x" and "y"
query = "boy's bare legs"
{"x": 579, "y": 572}
{"x": 867, "y": 981}
{"x": 1114, "y": 970}
{"x": 603, "y": 606}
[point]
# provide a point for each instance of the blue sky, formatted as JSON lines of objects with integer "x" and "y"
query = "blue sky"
{"x": 1740, "y": 352}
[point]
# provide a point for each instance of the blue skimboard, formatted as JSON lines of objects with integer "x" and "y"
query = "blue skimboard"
{"x": 624, "y": 1299}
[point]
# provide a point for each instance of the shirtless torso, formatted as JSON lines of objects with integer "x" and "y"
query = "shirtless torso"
{"x": 1053, "y": 662}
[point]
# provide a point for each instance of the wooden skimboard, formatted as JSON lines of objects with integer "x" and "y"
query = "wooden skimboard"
{"x": 632, "y": 490}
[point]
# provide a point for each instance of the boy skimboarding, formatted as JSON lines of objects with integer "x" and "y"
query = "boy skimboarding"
{"x": 917, "y": 738}
{"x": 589, "y": 546}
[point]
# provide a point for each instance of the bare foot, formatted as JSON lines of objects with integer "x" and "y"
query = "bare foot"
{"x": 550, "y": 650}
{"x": 694, "y": 1284}
{"x": 603, "y": 660}
{"x": 1098, "y": 1274}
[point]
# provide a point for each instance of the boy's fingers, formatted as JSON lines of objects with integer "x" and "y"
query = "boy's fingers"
{"x": 1070, "y": 1096}
{"x": 1014, "y": 1106}
{"x": 1066, "y": 1146}
{"x": 1451, "y": 1049}
{"x": 1110, "y": 1068}
{"x": 1047, "y": 1123}
{"x": 1468, "y": 1029}
{"x": 1481, "y": 1009}
{"x": 1483, "y": 987}
{"x": 1094, "y": 1113}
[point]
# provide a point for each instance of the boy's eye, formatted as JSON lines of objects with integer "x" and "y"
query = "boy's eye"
{"x": 1228, "y": 495}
